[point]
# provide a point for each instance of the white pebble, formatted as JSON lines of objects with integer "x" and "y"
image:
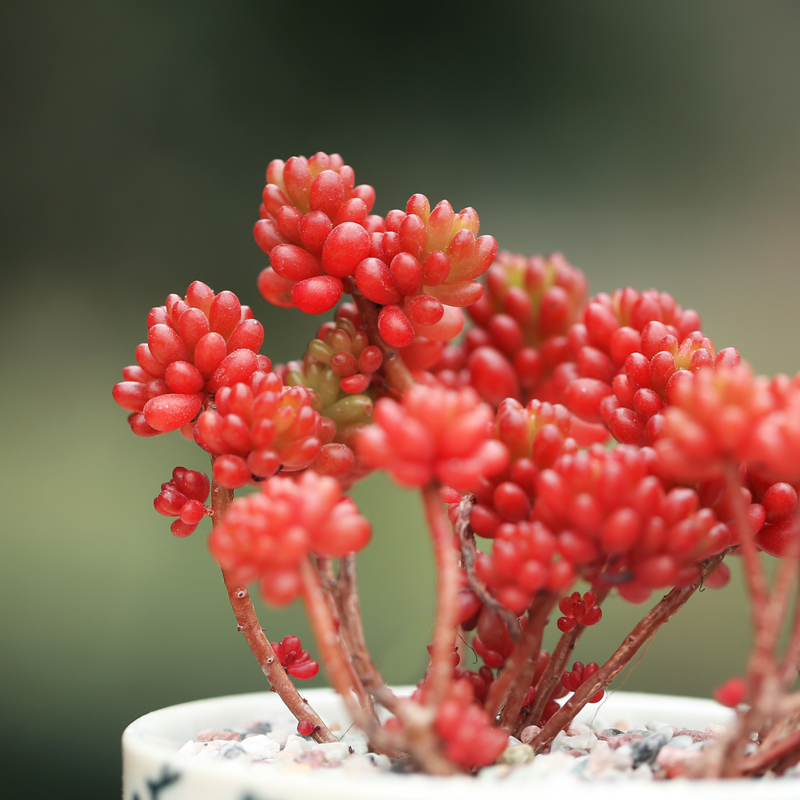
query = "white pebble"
{"x": 564, "y": 742}
{"x": 232, "y": 750}
{"x": 297, "y": 744}
{"x": 260, "y": 746}
{"x": 334, "y": 751}
{"x": 356, "y": 742}
{"x": 643, "y": 772}
{"x": 579, "y": 729}
{"x": 359, "y": 765}
{"x": 554, "y": 764}
{"x": 188, "y": 749}
{"x": 604, "y": 761}
{"x": 280, "y": 735}
{"x": 208, "y": 751}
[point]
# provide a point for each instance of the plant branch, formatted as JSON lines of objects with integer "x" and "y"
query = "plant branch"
{"x": 328, "y": 586}
{"x": 469, "y": 556}
{"x": 345, "y": 592}
{"x": 444, "y": 634}
{"x": 257, "y": 640}
{"x": 645, "y": 629}
{"x": 507, "y": 689}
{"x": 556, "y": 666}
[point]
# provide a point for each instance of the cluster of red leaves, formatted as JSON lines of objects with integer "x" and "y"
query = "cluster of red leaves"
{"x": 579, "y": 673}
{"x": 521, "y": 323}
{"x": 266, "y": 535}
{"x": 296, "y": 661}
{"x": 338, "y": 371}
{"x": 433, "y": 434}
{"x": 418, "y": 265}
{"x": 258, "y": 428}
{"x": 578, "y": 610}
{"x": 184, "y": 497}
{"x": 315, "y": 227}
{"x": 707, "y": 452}
{"x": 535, "y": 436}
{"x": 195, "y": 345}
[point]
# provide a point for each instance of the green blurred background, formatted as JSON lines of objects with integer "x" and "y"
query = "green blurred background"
{"x": 654, "y": 143}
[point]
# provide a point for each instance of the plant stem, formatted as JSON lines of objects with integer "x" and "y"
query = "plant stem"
{"x": 552, "y": 673}
{"x": 444, "y": 635}
{"x": 327, "y": 638}
{"x": 257, "y": 640}
{"x": 762, "y": 670}
{"x": 509, "y": 690}
{"x": 333, "y": 658}
{"x": 789, "y": 666}
{"x": 469, "y": 555}
{"x": 328, "y": 586}
{"x": 754, "y": 571}
{"x": 645, "y": 629}
{"x": 345, "y": 592}
{"x": 765, "y": 757}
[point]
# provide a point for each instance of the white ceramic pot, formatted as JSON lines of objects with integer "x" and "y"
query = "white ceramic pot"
{"x": 153, "y": 771}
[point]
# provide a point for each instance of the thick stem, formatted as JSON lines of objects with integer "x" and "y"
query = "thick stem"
{"x": 791, "y": 658}
{"x": 509, "y": 690}
{"x": 553, "y": 671}
{"x": 334, "y": 660}
{"x": 469, "y": 556}
{"x": 762, "y": 669}
{"x": 345, "y": 592}
{"x": 444, "y": 633}
{"x": 328, "y": 585}
{"x": 537, "y": 618}
{"x": 766, "y": 757}
{"x": 647, "y": 627}
{"x": 327, "y": 639}
{"x": 753, "y": 569}
{"x": 248, "y": 624}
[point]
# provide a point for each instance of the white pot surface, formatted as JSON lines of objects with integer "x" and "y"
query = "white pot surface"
{"x": 153, "y": 771}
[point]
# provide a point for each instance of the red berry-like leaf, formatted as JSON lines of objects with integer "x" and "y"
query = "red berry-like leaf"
{"x": 296, "y": 661}
{"x": 731, "y": 693}
{"x": 184, "y": 497}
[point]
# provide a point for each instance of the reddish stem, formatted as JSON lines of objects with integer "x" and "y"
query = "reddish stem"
{"x": 507, "y": 689}
{"x": 469, "y": 556}
{"x": 768, "y": 756}
{"x": 248, "y": 623}
{"x": 761, "y": 666}
{"x": 327, "y": 638}
{"x": 647, "y": 627}
{"x": 444, "y": 634}
{"x": 753, "y": 569}
{"x": 345, "y": 592}
{"x": 552, "y": 673}
{"x": 328, "y": 585}
{"x": 333, "y": 658}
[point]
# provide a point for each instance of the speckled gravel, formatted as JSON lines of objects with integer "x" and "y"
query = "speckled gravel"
{"x": 592, "y": 753}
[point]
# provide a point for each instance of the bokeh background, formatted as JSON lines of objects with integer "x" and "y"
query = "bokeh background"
{"x": 656, "y": 144}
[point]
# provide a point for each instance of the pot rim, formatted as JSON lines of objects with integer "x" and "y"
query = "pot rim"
{"x": 153, "y": 741}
